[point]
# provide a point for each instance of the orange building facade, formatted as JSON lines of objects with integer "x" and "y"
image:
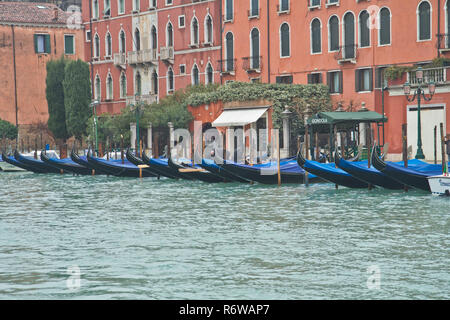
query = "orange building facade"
{"x": 347, "y": 45}
{"x": 31, "y": 34}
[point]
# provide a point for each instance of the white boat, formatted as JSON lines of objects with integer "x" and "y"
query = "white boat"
{"x": 440, "y": 185}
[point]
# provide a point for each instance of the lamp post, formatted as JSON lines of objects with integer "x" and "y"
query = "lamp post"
{"x": 138, "y": 109}
{"x": 419, "y": 94}
{"x": 94, "y": 105}
{"x": 285, "y": 115}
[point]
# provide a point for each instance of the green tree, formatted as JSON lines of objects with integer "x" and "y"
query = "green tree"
{"x": 77, "y": 97}
{"x": 8, "y": 130}
{"x": 55, "y": 98}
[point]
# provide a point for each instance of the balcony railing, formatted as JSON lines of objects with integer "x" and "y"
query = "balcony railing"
{"x": 142, "y": 57}
{"x": 252, "y": 64}
{"x": 146, "y": 98}
{"x": 347, "y": 53}
{"x": 227, "y": 66}
{"x": 120, "y": 59}
{"x": 167, "y": 54}
{"x": 436, "y": 75}
{"x": 444, "y": 42}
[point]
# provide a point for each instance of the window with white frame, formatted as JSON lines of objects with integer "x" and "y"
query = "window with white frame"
{"x": 385, "y": 27}
{"x": 229, "y": 13}
{"x": 364, "y": 31}
{"x": 333, "y": 33}
{"x": 123, "y": 85}
{"x": 154, "y": 38}
{"x": 182, "y": 69}
{"x": 108, "y": 43}
{"x": 208, "y": 29}
{"x": 285, "y": 39}
{"x": 363, "y": 80}
{"x": 169, "y": 35}
{"x": 195, "y": 75}
{"x": 95, "y": 9}
{"x": 209, "y": 74}
{"x": 121, "y": 6}
{"x": 194, "y": 31}
{"x": 122, "y": 42}
{"x": 181, "y": 22}
{"x": 316, "y": 36}
{"x": 229, "y": 43}
{"x": 107, "y": 8}
{"x": 254, "y": 8}
{"x": 170, "y": 80}
{"x": 69, "y": 44}
{"x": 138, "y": 84}
{"x": 254, "y": 49}
{"x": 96, "y": 46}
{"x": 424, "y": 21}
{"x": 155, "y": 82}
{"x": 109, "y": 87}
{"x": 284, "y": 5}
{"x": 136, "y": 5}
{"x": 98, "y": 86}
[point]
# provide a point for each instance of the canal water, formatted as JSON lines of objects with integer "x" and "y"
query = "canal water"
{"x": 65, "y": 237}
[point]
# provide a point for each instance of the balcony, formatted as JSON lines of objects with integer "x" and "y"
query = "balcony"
{"x": 252, "y": 64}
{"x": 227, "y": 66}
{"x": 146, "y": 98}
{"x": 142, "y": 57}
{"x": 120, "y": 60}
{"x": 436, "y": 75}
{"x": 346, "y": 54}
{"x": 444, "y": 42}
{"x": 167, "y": 54}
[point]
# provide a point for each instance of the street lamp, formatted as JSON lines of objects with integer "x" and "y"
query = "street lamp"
{"x": 137, "y": 107}
{"x": 94, "y": 105}
{"x": 419, "y": 93}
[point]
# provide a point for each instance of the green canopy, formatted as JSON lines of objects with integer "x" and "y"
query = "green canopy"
{"x": 346, "y": 118}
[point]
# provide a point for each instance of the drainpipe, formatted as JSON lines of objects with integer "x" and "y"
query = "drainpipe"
{"x": 92, "y": 50}
{"x": 15, "y": 79}
{"x": 439, "y": 28}
{"x": 221, "y": 41}
{"x": 268, "y": 41}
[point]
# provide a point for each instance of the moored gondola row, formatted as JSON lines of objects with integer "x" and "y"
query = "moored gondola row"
{"x": 347, "y": 173}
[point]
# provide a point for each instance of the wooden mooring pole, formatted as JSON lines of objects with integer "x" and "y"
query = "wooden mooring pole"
{"x": 405, "y": 147}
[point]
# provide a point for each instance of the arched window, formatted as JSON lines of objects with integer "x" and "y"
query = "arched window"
{"x": 254, "y": 47}
{"x": 138, "y": 84}
{"x": 229, "y": 10}
{"x": 98, "y": 87}
{"x": 208, "y": 29}
{"x": 285, "y": 46}
{"x": 137, "y": 39}
{"x": 122, "y": 43}
{"x": 154, "y": 38}
{"x": 333, "y": 31}
{"x": 209, "y": 74}
{"x": 229, "y": 41}
{"x": 169, "y": 35}
{"x": 108, "y": 42}
{"x": 424, "y": 20}
{"x": 170, "y": 84}
{"x": 364, "y": 31}
{"x": 96, "y": 46}
{"x": 123, "y": 85}
{"x": 385, "y": 26}
{"x": 194, "y": 31}
{"x": 254, "y": 8}
{"x": 155, "y": 82}
{"x": 95, "y": 9}
{"x": 195, "y": 75}
{"x": 109, "y": 87}
{"x": 316, "y": 37}
{"x": 349, "y": 36}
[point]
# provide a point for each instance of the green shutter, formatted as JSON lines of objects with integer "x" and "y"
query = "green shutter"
{"x": 36, "y": 43}
{"x": 47, "y": 44}
{"x": 69, "y": 44}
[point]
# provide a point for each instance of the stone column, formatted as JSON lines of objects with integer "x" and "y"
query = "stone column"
{"x": 133, "y": 135}
{"x": 284, "y": 152}
{"x": 172, "y": 138}
{"x": 150, "y": 139}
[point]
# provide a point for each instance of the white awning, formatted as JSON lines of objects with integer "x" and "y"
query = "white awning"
{"x": 239, "y": 117}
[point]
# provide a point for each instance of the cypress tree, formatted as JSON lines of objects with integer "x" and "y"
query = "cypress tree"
{"x": 77, "y": 97}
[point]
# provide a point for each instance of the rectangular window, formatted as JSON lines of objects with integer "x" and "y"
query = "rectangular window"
{"x": 284, "y": 79}
{"x": 363, "y": 80}
{"x": 121, "y": 9}
{"x": 88, "y": 36}
{"x": 314, "y": 3}
{"x": 181, "y": 22}
{"x": 169, "y": 2}
{"x": 182, "y": 68}
{"x": 107, "y": 10}
{"x": 228, "y": 10}
{"x": 334, "y": 81}
{"x": 380, "y": 80}
{"x": 314, "y": 78}
{"x": 42, "y": 43}
{"x": 69, "y": 44}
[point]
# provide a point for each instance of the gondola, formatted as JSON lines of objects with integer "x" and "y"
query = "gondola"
{"x": 267, "y": 173}
{"x": 415, "y": 175}
{"x": 360, "y": 171}
{"x": 161, "y": 165}
{"x": 67, "y": 165}
{"x": 138, "y": 161}
{"x": 330, "y": 173}
{"x": 11, "y": 160}
{"x": 35, "y": 165}
{"x": 212, "y": 167}
{"x": 116, "y": 168}
{"x": 190, "y": 172}
{"x": 8, "y": 167}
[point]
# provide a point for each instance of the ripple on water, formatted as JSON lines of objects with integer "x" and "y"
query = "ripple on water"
{"x": 150, "y": 239}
